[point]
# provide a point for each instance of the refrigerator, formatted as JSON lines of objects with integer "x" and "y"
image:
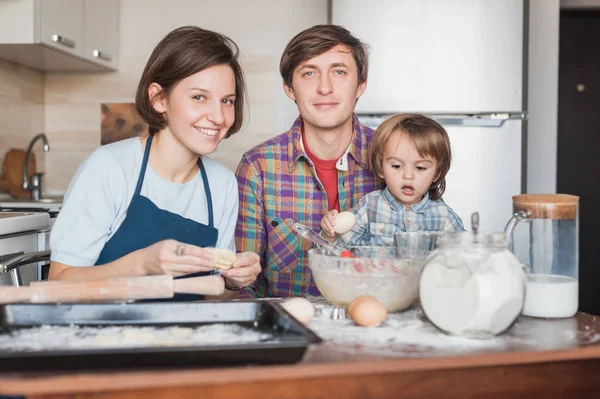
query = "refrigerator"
{"x": 462, "y": 63}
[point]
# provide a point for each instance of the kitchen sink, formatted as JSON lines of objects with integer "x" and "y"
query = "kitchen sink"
{"x": 18, "y": 222}
{"x": 45, "y": 200}
{"x": 43, "y": 204}
{"x": 39, "y": 201}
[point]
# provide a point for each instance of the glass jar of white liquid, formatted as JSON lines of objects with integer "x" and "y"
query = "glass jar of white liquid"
{"x": 472, "y": 285}
{"x": 544, "y": 236}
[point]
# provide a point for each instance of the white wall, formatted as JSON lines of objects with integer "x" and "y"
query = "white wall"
{"x": 542, "y": 101}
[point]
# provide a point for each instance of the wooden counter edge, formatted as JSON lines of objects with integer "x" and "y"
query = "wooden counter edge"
{"x": 30, "y": 384}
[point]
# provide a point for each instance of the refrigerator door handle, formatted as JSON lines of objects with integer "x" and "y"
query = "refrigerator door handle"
{"x": 471, "y": 119}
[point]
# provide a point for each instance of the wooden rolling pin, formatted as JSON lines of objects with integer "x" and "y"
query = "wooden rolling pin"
{"x": 116, "y": 289}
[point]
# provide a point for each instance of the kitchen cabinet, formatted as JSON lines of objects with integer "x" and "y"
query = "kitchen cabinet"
{"x": 61, "y": 25}
{"x": 101, "y": 31}
{"x": 60, "y": 35}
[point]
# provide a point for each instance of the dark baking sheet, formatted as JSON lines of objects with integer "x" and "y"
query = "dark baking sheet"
{"x": 290, "y": 337}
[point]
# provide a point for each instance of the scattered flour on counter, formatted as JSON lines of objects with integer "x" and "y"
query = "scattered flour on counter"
{"x": 409, "y": 334}
{"x": 77, "y": 337}
{"x": 401, "y": 331}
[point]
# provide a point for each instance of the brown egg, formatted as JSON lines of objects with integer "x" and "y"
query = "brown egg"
{"x": 367, "y": 312}
{"x": 359, "y": 299}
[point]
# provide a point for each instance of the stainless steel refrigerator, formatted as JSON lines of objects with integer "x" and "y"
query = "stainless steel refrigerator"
{"x": 460, "y": 62}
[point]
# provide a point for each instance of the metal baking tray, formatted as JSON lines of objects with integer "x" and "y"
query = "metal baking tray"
{"x": 287, "y": 343}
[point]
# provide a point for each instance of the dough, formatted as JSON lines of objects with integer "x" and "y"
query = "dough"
{"x": 224, "y": 258}
{"x": 301, "y": 308}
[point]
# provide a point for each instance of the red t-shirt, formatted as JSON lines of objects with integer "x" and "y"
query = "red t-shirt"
{"x": 328, "y": 175}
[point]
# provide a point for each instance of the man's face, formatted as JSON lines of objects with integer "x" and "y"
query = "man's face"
{"x": 326, "y": 88}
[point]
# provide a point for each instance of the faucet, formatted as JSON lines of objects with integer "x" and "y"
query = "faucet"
{"x": 35, "y": 185}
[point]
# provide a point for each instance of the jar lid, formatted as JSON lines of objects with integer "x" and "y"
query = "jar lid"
{"x": 547, "y": 206}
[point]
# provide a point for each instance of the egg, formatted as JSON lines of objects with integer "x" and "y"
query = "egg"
{"x": 344, "y": 222}
{"x": 359, "y": 299}
{"x": 367, "y": 311}
{"x": 301, "y": 308}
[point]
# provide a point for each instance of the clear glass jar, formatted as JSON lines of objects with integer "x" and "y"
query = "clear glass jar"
{"x": 544, "y": 236}
{"x": 472, "y": 285}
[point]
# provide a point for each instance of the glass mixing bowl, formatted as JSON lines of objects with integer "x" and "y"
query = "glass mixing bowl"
{"x": 375, "y": 271}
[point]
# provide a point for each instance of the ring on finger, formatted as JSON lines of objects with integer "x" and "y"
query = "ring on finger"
{"x": 180, "y": 247}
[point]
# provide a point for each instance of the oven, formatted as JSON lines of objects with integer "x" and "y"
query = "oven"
{"x": 13, "y": 245}
{"x": 43, "y": 243}
{"x": 32, "y": 241}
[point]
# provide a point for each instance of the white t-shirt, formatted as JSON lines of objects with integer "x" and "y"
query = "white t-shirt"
{"x": 99, "y": 194}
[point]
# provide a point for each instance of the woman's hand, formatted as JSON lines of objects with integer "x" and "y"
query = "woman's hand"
{"x": 176, "y": 259}
{"x": 244, "y": 270}
{"x": 327, "y": 225}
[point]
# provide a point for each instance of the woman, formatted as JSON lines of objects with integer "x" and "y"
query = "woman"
{"x": 146, "y": 206}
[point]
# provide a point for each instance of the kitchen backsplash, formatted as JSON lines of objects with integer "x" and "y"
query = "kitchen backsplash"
{"x": 21, "y": 108}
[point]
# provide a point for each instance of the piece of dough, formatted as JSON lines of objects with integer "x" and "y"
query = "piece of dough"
{"x": 301, "y": 308}
{"x": 224, "y": 258}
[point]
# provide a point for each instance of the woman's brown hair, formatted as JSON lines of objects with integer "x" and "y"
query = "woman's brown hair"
{"x": 318, "y": 40}
{"x": 430, "y": 139}
{"x": 181, "y": 53}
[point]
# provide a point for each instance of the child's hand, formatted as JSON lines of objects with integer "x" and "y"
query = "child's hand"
{"x": 327, "y": 225}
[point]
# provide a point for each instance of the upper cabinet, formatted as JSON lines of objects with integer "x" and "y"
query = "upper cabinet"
{"x": 60, "y": 35}
{"x": 101, "y": 31}
{"x": 61, "y": 25}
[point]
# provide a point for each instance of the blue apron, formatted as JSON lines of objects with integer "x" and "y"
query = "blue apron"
{"x": 146, "y": 224}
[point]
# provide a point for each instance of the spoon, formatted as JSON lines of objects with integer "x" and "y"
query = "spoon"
{"x": 316, "y": 238}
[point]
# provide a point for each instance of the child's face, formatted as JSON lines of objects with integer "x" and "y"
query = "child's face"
{"x": 200, "y": 108}
{"x": 406, "y": 173}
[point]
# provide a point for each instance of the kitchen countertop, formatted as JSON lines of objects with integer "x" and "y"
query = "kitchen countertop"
{"x": 557, "y": 358}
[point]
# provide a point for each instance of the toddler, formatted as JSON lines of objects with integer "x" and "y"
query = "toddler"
{"x": 411, "y": 154}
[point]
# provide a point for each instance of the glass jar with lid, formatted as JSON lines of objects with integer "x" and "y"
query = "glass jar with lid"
{"x": 544, "y": 236}
{"x": 472, "y": 285}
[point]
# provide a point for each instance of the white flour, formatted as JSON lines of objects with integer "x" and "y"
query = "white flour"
{"x": 480, "y": 294}
{"x": 410, "y": 334}
{"x": 74, "y": 337}
{"x": 401, "y": 331}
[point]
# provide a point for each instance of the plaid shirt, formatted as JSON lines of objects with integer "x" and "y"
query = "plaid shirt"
{"x": 379, "y": 215}
{"x": 278, "y": 186}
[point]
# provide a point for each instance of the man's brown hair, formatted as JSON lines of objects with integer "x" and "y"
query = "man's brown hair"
{"x": 182, "y": 53}
{"x": 430, "y": 139}
{"x": 318, "y": 40}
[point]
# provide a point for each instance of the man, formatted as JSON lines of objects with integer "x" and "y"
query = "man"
{"x": 318, "y": 165}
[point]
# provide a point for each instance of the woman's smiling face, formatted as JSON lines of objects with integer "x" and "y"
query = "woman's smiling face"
{"x": 200, "y": 109}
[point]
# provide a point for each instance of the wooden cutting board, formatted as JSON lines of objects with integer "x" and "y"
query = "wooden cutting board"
{"x": 116, "y": 289}
{"x": 12, "y": 172}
